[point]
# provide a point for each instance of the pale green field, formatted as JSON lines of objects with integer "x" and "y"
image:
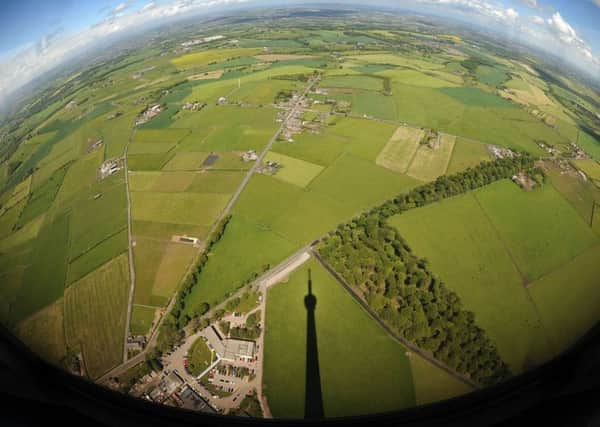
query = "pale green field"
{"x": 362, "y": 369}
{"x": 467, "y": 254}
{"x": 44, "y": 334}
{"x": 294, "y": 171}
{"x": 400, "y": 150}
{"x": 432, "y": 384}
{"x": 466, "y": 154}
{"x": 591, "y": 168}
{"x": 186, "y": 161}
{"x": 428, "y": 163}
{"x": 177, "y": 208}
{"x": 205, "y": 57}
{"x": 568, "y": 299}
{"x": 534, "y": 224}
{"x": 95, "y": 310}
{"x": 175, "y": 261}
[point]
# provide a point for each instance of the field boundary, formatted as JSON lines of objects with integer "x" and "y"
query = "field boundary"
{"x": 394, "y": 335}
{"x": 504, "y": 244}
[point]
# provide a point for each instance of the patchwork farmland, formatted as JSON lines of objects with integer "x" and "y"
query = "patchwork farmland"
{"x": 171, "y": 208}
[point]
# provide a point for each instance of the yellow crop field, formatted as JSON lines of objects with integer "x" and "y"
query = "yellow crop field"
{"x": 398, "y": 153}
{"x": 429, "y": 163}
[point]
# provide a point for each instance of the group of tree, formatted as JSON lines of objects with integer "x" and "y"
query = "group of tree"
{"x": 251, "y": 329}
{"x": 378, "y": 264}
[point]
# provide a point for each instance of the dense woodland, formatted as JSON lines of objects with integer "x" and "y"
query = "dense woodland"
{"x": 376, "y": 261}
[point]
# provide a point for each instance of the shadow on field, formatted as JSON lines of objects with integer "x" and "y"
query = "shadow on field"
{"x": 313, "y": 400}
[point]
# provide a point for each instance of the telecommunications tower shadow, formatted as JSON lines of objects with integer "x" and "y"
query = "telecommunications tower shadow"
{"x": 313, "y": 399}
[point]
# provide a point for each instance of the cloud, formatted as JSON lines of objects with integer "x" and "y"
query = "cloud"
{"x": 551, "y": 33}
{"x": 120, "y": 7}
{"x": 148, "y": 6}
{"x": 538, "y": 20}
{"x": 36, "y": 59}
{"x": 532, "y": 3}
{"x": 597, "y": 2}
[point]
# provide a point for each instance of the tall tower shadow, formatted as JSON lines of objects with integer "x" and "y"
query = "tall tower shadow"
{"x": 313, "y": 399}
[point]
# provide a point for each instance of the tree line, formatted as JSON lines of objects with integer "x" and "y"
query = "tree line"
{"x": 171, "y": 330}
{"x": 377, "y": 262}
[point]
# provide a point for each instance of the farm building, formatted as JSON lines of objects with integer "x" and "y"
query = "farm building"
{"x": 229, "y": 349}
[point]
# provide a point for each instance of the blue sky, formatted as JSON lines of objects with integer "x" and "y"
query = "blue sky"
{"x": 36, "y": 35}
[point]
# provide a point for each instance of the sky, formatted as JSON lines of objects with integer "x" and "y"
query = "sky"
{"x": 37, "y": 35}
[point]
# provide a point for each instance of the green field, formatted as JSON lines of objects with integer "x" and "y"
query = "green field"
{"x": 177, "y": 208}
{"x": 392, "y": 103}
{"x": 199, "y": 357}
{"x": 591, "y": 168}
{"x": 432, "y": 384}
{"x": 44, "y": 278}
{"x": 466, "y": 252}
{"x": 142, "y": 318}
{"x": 206, "y": 57}
{"x": 491, "y": 75}
{"x": 95, "y": 311}
{"x": 568, "y": 300}
{"x": 165, "y": 231}
{"x": 186, "y": 161}
{"x": 44, "y": 333}
{"x": 98, "y": 255}
{"x": 294, "y": 171}
{"x": 429, "y": 163}
{"x": 175, "y": 261}
{"x": 359, "y": 183}
{"x": 96, "y": 218}
{"x": 373, "y": 376}
{"x": 466, "y": 154}
{"x": 237, "y": 248}
{"x": 215, "y": 181}
{"x": 533, "y": 224}
{"x": 583, "y": 195}
{"x": 354, "y": 82}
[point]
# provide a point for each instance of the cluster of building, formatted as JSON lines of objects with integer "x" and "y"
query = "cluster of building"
{"x": 149, "y": 114}
{"x": 202, "y": 40}
{"x": 294, "y": 124}
{"x": 501, "y": 152}
{"x": 193, "y": 106}
{"x": 250, "y": 156}
{"x": 110, "y": 167}
{"x": 114, "y": 115}
{"x": 136, "y": 343}
{"x": 140, "y": 73}
{"x": 549, "y": 149}
{"x": 578, "y": 153}
{"x": 270, "y": 167}
{"x": 94, "y": 143}
{"x": 172, "y": 390}
{"x": 229, "y": 349}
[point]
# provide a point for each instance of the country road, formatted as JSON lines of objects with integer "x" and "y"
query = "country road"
{"x": 130, "y": 249}
{"x": 263, "y": 282}
{"x": 140, "y": 357}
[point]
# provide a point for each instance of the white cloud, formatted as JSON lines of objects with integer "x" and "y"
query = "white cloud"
{"x": 532, "y": 3}
{"x": 148, "y": 6}
{"x": 36, "y": 59}
{"x": 538, "y": 20}
{"x": 551, "y": 33}
{"x": 548, "y": 32}
{"x": 597, "y": 2}
{"x": 120, "y": 7}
